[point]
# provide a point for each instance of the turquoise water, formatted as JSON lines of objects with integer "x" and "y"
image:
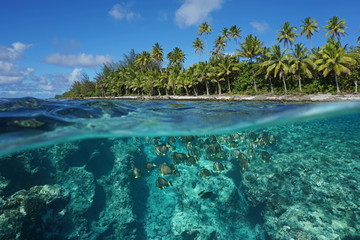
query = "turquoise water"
{"x": 215, "y": 170}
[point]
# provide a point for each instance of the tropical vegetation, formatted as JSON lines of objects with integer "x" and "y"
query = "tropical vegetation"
{"x": 254, "y": 68}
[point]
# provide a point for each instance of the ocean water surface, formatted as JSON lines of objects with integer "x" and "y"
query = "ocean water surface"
{"x": 108, "y": 170}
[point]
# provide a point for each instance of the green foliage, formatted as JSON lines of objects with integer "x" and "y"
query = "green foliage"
{"x": 267, "y": 70}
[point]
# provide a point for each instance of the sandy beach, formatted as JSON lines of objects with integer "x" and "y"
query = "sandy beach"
{"x": 245, "y": 98}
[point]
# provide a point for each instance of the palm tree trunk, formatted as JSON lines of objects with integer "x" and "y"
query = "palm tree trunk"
{"x": 228, "y": 82}
{"x": 186, "y": 90}
{"x": 166, "y": 91}
{"x": 159, "y": 91}
{"x": 356, "y": 86}
{"x": 219, "y": 88}
{"x": 207, "y": 87}
{"x": 255, "y": 87}
{"x": 300, "y": 83}
{"x": 195, "y": 92}
{"x": 271, "y": 87}
{"x": 337, "y": 84}
{"x": 283, "y": 80}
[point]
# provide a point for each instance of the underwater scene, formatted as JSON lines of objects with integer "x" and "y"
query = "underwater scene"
{"x": 114, "y": 170}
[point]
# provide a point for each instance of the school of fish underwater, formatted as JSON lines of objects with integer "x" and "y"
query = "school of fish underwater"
{"x": 292, "y": 180}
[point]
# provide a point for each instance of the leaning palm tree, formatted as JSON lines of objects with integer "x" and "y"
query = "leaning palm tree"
{"x": 334, "y": 60}
{"x": 157, "y": 55}
{"x": 198, "y": 45}
{"x": 287, "y": 34}
{"x": 300, "y": 63}
{"x": 250, "y": 48}
{"x": 308, "y": 28}
{"x": 277, "y": 65}
{"x": 336, "y": 27}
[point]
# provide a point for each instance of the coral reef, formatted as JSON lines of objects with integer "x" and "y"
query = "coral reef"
{"x": 34, "y": 213}
{"x": 291, "y": 181}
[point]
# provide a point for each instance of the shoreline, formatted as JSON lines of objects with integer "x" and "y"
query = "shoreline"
{"x": 241, "y": 98}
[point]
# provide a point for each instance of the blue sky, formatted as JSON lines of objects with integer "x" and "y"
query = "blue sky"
{"x": 46, "y": 45}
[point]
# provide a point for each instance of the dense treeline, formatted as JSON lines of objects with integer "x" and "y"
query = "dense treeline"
{"x": 253, "y": 69}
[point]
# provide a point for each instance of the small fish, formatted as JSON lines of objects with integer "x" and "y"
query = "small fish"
{"x": 205, "y": 195}
{"x": 136, "y": 172}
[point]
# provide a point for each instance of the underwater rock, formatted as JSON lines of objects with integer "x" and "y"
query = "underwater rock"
{"x": 307, "y": 192}
{"x": 33, "y": 213}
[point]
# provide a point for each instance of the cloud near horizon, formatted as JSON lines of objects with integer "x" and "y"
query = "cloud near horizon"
{"x": 79, "y": 60}
{"x": 260, "y": 27}
{"x": 10, "y": 71}
{"x": 120, "y": 12}
{"x": 193, "y": 12}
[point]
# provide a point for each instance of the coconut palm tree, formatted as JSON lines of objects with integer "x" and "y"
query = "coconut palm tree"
{"x": 219, "y": 47}
{"x": 300, "y": 63}
{"x": 336, "y": 27}
{"x": 176, "y": 57}
{"x": 225, "y": 33}
{"x": 143, "y": 60}
{"x": 260, "y": 69}
{"x": 203, "y": 73}
{"x": 250, "y": 48}
{"x": 287, "y": 34}
{"x": 308, "y": 28}
{"x": 277, "y": 65}
{"x": 214, "y": 76}
{"x": 205, "y": 29}
{"x": 157, "y": 55}
{"x": 226, "y": 67}
{"x": 235, "y": 33}
{"x": 334, "y": 60}
{"x": 198, "y": 45}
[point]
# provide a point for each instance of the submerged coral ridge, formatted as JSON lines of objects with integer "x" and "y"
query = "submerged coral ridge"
{"x": 292, "y": 181}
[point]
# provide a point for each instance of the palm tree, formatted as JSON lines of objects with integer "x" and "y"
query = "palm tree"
{"x": 198, "y": 45}
{"x": 157, "y": 55}
{"x": 203, "y": 72}
{"x": 205, "y": 29}
{"x": 250, "y": 48}
{"x": 219, "y": 47}
{"x": 225, "y": 33}
{"x": 336, "y": 27}
{"x": 226, "y": 67}
{"x": 260, "y": 69}
{"x": 334, "y": 60}
{"x": 214, "y": 76}
{"x": 235, "y": 33}
{"x": 308, "y": 28}
{"x": 287, "y": 34}
{"x": 143, "y": 60}
{"x": 277, "y": 65}
{"x": 300, "y": 63}
{"x": 176, "y": 57}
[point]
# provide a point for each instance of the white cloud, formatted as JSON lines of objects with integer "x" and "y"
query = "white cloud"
{"x": 261, "y": 27}
{"x": 10, "y": 71}
{"x": 13, "y": 53}
{"x": 82, "y": 60}
{"x": 193, "y": 12}
{"x": 75, "y": 75}
{"x": 120, "y": 12}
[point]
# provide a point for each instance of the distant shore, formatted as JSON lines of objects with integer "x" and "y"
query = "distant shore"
{"x": 244, "y": 98}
